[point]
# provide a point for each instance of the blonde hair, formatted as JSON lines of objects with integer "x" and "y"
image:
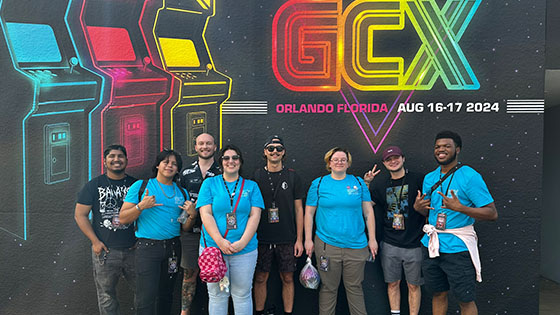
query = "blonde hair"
{"x": 332, "y": 151}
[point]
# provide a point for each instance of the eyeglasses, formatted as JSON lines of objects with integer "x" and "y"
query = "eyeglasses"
{"x": 271, "y": 148}
{"x": 339, "y": 160}
{"x": 233, "y": 157}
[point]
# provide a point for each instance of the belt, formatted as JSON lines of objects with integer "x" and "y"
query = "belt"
{"x": 149, "y": 241}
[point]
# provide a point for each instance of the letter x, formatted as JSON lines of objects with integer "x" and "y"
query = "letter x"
{"x": 440, "y": 54}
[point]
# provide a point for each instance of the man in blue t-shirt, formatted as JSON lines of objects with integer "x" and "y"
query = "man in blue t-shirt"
{"x": 454, "y": 196}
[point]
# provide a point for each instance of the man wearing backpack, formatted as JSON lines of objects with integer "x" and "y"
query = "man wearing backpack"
{"x": 112, "y": 243}
{"x": 280, "y": 231}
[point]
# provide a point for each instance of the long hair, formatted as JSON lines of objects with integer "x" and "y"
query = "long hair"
{"x": 163, "y": 155}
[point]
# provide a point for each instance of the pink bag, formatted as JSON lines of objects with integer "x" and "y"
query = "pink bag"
{"x": 212, "y": 265}
{"x": 210, "y": 262}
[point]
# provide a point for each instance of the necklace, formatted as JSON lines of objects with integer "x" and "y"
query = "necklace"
{"x": 163, "y": 191}
{"x": 274, "y": 189}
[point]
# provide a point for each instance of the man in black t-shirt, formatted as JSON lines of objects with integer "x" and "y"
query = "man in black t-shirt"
{"x": 191, "y": 179}
{"x": 394, "y": 198}
{"x": 280, "y": 231}
{"x": 112, "y": 243}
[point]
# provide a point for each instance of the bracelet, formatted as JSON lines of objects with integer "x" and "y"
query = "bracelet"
{"x": 138, "y": 208}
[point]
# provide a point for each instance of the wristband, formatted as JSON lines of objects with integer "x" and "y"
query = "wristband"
{"x": 138, "y": 208}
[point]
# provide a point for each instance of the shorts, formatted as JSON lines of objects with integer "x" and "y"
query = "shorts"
{"x": 453, "y": 271}
{"x": 284, "y": 254}
{"x": 394, "y": 259}
{"x": 189, "y": 257}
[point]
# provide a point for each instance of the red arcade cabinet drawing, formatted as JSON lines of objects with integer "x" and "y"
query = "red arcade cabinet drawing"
{"x": 131, "y": 116}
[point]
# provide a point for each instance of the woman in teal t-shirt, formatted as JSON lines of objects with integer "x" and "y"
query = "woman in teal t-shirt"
{"x": 344, "y": 209}
{"x": 217, "y": 201}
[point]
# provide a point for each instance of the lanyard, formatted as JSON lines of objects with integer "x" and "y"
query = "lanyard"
{"x": 448, "y": 185}
{"x": 274, "y": 189}
{"x": 231, "y": 194}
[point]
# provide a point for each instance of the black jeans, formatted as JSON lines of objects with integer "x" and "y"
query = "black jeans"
{"x": 154, "y": 283}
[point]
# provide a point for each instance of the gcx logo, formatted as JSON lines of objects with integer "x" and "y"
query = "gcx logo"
{"x": 315, "y": 44}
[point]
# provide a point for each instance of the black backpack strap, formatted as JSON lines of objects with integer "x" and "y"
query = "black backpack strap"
{"x": 319, "y": 185}
{"x": 142, "y": 189}
{"x": 358, "y": 180}
{"x": 182, "y": 190}
{"x": 441, "y": 180}
{"x": 361, "y": 187}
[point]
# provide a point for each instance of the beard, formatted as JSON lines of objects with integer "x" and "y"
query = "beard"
{"x": 397, "y": 170}
{"x": 119, "y": 171}
{"x": 211, "y": 156}
{"x": 447, "y": 161}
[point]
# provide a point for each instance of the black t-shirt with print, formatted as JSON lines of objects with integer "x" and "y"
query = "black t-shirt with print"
{"x": 191, "y": 179}
{"x": 397, "y": 196}
{"x": 106, "y": 198}
{"x": 288, "y": 187}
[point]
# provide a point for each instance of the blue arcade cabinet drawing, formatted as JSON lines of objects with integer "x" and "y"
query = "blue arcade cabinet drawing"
{"x": 47, "y": 125}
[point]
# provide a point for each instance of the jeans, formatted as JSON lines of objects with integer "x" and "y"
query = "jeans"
{"x": 107, "y": 269}
{"x": 241, "y": 269}
{"x": 154, "y": 283}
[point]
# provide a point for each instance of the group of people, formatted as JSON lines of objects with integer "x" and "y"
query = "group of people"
{"x": 145, "y": 230}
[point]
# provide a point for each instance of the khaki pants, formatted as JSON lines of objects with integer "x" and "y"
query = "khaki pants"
{"x": 348, "y": 263}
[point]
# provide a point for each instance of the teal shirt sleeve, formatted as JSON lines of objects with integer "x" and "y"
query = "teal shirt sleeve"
{"x": 312, "y": 194}
{"x": 132, "y": 194}
{"x": 366, "y": 196}
{"x": 256, "y": 196}
{"x": 477, "y": 191}
{"x": 206, "y": 194}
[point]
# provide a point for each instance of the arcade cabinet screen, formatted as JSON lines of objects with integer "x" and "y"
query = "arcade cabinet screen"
{"x": 111, "y": 43}
{"x": 34, "y": 43}
{"x": 178, "y": 52}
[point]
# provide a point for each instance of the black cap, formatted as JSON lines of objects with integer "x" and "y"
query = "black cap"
{"x": 273, "y": 139}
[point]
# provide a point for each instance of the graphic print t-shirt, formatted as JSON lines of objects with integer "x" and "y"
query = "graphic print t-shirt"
{"x": 397, "y": 197}
{"x": 106, "y": 198}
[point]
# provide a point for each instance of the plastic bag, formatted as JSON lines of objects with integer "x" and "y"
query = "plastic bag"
{"x": 309, "y": 277}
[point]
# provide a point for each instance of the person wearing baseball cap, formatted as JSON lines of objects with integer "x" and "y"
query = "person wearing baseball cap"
{"x": 394, "y": 197}
{"x": 280, "y": 231}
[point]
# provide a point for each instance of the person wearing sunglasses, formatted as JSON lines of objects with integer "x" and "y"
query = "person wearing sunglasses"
{"x": 344, "y": 210}
{"x": 280, "y": 231}
{"x": 229, "y": 203}
{"x": 155, "y": 205}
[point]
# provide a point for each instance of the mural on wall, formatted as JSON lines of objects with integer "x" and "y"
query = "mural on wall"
{"x": 78, "y": 75}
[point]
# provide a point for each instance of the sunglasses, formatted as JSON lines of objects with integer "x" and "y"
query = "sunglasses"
{"x": 233, "y": 157}
{"x": 277, "y": 148}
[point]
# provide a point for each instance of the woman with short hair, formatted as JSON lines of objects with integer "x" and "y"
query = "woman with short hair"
{"x": 342, "y": 203}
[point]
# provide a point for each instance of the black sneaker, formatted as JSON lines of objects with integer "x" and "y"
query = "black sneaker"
{"x": 271, "y": 310}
